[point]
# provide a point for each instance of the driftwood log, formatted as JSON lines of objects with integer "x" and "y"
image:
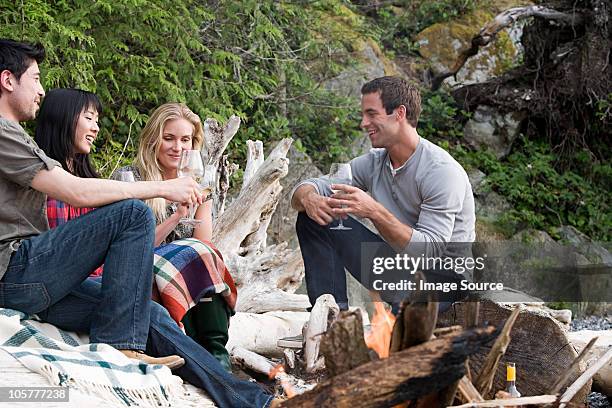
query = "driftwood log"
{"x": 539, "y": 347}
{"x": 266, "y": 276}
{"x": 406, "y": 375}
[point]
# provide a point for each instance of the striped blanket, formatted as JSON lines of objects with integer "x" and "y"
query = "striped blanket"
{"x": 99, "y": 369}
{"x": 188, "y": 270}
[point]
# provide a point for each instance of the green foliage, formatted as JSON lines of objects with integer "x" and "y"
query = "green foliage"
{"x": 440, "y": 116}
{"x": 399, "y": 26}
{"x": 544, "y": 198}
{"x": 261, "y": 60}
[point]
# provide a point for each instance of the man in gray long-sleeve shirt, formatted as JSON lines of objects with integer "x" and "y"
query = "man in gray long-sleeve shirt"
{"x": 419, "y": 200}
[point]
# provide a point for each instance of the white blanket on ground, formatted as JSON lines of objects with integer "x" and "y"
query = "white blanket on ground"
{"x": 65, "y": 360}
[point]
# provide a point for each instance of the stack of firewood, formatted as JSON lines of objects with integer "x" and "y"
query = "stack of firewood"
{"x": 428, "y": 366}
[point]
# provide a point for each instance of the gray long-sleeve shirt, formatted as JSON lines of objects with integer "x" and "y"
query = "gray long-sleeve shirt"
{"x": 431, "y": 193}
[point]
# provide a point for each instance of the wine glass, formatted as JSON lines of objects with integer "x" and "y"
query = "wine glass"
{"x": 126, "y": 176}
{"x": 209, "y": 181}
{"x": 190, "y": 165}
{"x": 340, "y": 173}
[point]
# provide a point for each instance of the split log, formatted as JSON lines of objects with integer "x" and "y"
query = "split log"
{"x": 583, "y": 380}
{"x": 323, "y": 314}
{"x": 501, "y": 21}
{"x": 562, "y": 381}
{"x": 259, "y": 333}
{"x": 343, "y": 345}
{"x": 467, "y": 391}
{"x": 539, "y": 347}
{"x": 414, "y": 325}
{"x": 485, "y": 379}
{"x": 406, "y": 375}
{"x": 511, "y": 402}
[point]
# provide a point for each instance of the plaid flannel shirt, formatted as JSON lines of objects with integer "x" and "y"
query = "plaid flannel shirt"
{"x": 59, "y": 212}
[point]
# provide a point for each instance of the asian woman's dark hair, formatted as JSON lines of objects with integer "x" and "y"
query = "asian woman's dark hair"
{"x": 56, "y": 127}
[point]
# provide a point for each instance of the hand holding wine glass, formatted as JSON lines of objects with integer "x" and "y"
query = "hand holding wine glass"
{"x": 190, "y": 165}
{"x": 340, "y": 173}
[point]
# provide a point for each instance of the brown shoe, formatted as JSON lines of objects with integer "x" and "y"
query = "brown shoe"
{"x": 172, "y": 362}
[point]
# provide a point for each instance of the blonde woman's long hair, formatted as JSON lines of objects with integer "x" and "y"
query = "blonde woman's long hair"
{"x": 150, "y": 143}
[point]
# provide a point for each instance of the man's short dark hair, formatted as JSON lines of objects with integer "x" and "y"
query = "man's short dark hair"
{"x": 395, "y": 91}
{"x": 18, "y": 56}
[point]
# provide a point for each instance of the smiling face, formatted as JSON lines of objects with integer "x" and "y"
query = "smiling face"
{"x": 177, "y": 135}
{"x": 382, "y": 128}
{"x": 86, "y": 130}
{"x": 25, "y": 93}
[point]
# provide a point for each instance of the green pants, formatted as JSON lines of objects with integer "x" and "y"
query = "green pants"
{"x": 207, "y": 323}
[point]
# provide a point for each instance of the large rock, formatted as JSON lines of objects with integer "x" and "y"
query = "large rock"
{"x": 594, "y": 252}
{"x": 490, "y": 129}
{"x": 368, "y": 66}
{"x": 442, "y": 43}
{"x": 370, "y": 63}
{"x": 594, "y": 265}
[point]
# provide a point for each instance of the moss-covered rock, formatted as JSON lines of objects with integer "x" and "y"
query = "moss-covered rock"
{"x": 442, "y": 43}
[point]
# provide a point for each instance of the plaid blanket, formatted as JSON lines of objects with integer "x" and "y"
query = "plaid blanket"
{"x": 97, "y": 369}
{"x": 188, "y": 270}
{"x": 185, "y": 270}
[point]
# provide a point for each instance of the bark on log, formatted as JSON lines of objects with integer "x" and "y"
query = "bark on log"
{"x": 539, "y": 347}
{"x": 404, "y": 376}
{"x": 343, "y": 346}
{"x": 414, "y": 325}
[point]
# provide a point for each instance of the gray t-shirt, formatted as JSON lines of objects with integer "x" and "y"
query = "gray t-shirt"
{"x": 22, "y": 209}
{"x": 431, "y": 193}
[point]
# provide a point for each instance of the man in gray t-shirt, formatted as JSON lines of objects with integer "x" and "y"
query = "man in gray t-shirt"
{"x": 416, "y": 195}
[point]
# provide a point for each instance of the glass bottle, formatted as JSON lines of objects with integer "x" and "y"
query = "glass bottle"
{"x": 511, "y": 380}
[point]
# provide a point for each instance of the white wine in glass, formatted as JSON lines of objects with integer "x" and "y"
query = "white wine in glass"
{"x": 340, "y": 173}
{"x": 208, "y": 181}
{"x": 190, "y": 165}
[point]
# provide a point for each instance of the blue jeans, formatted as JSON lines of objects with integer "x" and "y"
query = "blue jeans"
{"x": 48, "y": 276}
{"x": 45, "y": 272}
{"x": 326, "y": 254}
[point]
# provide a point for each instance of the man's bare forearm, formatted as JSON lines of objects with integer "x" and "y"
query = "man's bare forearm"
{"x": 299, "y": 195}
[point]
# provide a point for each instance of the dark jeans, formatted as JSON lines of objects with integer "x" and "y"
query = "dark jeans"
{"x": 48, "y": 276}
{"x": 326, "y": 254}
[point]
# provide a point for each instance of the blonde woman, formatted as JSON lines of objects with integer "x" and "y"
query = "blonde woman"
{"x": 185, "y": 253}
